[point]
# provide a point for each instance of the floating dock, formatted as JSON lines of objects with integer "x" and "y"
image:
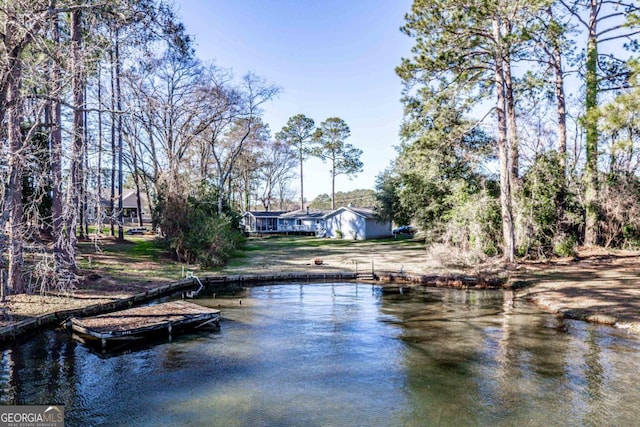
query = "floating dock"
{"x": 140, "y": 322}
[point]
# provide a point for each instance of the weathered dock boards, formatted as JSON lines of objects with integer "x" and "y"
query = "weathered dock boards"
{"x": 278, "y": 277}
{"x": 139, "y": 322}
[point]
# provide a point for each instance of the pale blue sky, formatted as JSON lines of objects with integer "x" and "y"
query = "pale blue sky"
{"x": 330, "y": 57}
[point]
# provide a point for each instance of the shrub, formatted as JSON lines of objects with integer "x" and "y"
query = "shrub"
{"x": 473, "y": 224}
{"x": 548, "y": 217}
{"x": 619, "y": 223}
{"x": 564, "y": 246}
{"x": 193, "y": 229}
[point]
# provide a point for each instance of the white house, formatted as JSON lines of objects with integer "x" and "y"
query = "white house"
{"x": 261, "y": 221}
{"x": 302, "y": 221}
{"x": 355, "y": 224}
{"x": 346, "y": 223}
{"x": 309, "y": 222}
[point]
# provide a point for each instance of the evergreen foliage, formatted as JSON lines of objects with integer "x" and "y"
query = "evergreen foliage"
{"x": 343, "y": 157}
{"x": 298, "y": 133}
{"x": 556, "y": 190}
{"x": 388, "y": 204}
{"x": 543, "y": 232}
{"x": 473, "y": 223}
{"x": 357, "y": 198}
{"x": 437, "y": 178}
{"x": 194, "y": 230}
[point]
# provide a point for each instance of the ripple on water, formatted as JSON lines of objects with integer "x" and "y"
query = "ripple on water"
{"x": 341, "y": 354}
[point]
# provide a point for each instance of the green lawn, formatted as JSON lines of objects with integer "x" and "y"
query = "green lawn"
{"x": 142, "y": 258}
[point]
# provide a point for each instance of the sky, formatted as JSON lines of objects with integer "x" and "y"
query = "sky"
{"x": 331, "y": 58}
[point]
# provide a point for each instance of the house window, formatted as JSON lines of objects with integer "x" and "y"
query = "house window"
{"x": 298, "y": 222}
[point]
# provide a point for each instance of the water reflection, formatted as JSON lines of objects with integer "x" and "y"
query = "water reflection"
{"x": 514, "y": 366}
{"x": 343, "y": 354}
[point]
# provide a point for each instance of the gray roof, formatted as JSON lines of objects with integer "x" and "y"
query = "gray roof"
{"x": 366, "y": 213}
{"x": 265, "y": 214}
{"x": 363, "y": 212}
{"x": 129, "y": 199}
{"x": 304, "y": 214}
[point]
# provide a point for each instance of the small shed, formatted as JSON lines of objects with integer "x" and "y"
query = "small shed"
{"x": 355, "y": 224}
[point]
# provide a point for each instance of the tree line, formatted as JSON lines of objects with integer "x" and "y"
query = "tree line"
{"x": 98, "y": 96}
{"x": 520, "y": 134}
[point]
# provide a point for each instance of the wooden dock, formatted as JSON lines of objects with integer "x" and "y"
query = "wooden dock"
{"x": 139, "y": 322}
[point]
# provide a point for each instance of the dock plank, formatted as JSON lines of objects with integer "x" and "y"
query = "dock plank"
{"x": 144, "y": 319}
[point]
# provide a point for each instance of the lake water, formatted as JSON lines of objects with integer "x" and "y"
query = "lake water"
{"x": 343, "y": 354}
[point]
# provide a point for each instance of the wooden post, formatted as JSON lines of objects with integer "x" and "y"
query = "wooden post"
{"x": 2, "y": 296}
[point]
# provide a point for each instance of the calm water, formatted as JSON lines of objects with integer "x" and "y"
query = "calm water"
{"x": 337, "y": 355}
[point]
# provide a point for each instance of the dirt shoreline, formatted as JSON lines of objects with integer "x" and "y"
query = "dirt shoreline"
{"x": 596, "y": 286}
{"x": 600, "y": 288}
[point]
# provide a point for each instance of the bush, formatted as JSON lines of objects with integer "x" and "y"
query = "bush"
{"x": 564, "y": 246}
{"x": 193, "y": 229}
{"x": 473, "y": 224}
{"x": 548, "y": 217}
{"x": 619, "y": 223}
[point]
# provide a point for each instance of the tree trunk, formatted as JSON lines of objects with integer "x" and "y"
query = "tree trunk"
{"x": 514, "y": 152}
{"x": 147, "y": 192}
{"x": 561, "y": 108}
{"x": 14, "y": 188}
{"x": 139, "y": 201}
{"x": 591, "y": 125}
{"x": 77, "y": 139}
{"x": 112, "y": 199}
{"x": 135, "y": 173}
{"x": 247, "y": 190}
{"x": 221, "y": 183}
{"x": 503, "y": 155}
{"x": 301, "y": 179}
{"x": 99, "y": 166}
{"x": 333, "y": 184}
{"x": 119, "y": 106}
{"x": 152, "y": 148}
{"x": 61, "y": 253}
{"x": 84, "y": 170}
{"x": 562, "y": 134}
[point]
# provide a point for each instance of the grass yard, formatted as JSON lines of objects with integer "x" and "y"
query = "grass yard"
{"x": 297, "y": 253}
{"x": 137, "y": 259}
{"x": 594, "y": 286}
{"x": 142, "y": 259}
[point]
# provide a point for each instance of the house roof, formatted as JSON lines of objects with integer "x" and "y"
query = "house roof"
{"x": 265, "y": 214}
{"x": 312, "y": 214}
{"x": 304, "y": 214}
{"x": 129, "y": 200}
{"x": 362, "y": 212}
